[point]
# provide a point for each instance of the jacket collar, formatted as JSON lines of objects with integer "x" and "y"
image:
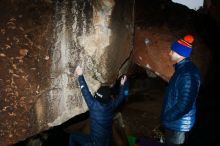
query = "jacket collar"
{"x": 181, "y": 63}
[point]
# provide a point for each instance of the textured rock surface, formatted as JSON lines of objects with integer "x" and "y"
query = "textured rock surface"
{"x": 41, "y": 44}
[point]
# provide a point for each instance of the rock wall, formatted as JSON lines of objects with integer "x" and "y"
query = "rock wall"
{"x": 42, "y": 43}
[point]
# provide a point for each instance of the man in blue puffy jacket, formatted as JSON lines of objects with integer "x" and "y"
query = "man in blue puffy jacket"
{"x": 101, "y": 111}
{"x": 179, "y": 106}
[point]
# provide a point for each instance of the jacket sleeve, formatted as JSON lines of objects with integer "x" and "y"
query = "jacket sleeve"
{"x": 85, "y": 91}
{"x": 123, "y": 94}
{"x": 188, "y": 88}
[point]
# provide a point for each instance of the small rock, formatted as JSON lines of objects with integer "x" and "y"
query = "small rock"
{"x": 2, "y": 55}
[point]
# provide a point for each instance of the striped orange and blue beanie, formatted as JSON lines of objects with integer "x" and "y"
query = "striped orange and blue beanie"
{"x": 183, "y": 46}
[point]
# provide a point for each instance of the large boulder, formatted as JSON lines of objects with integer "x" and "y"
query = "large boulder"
{"x": 42, "y": 41}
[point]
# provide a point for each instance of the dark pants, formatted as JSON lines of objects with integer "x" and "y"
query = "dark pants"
{"x": 79, "y": 138}
{"x": 174, "y": 138}
{"x": 87, "y": 140}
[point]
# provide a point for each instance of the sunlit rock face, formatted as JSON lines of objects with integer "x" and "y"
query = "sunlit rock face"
{"x": 94, "y": 36}
{"x": 42, "y": 43}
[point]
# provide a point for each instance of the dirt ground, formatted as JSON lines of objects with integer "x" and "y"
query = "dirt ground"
{"x": 142, "y": 110}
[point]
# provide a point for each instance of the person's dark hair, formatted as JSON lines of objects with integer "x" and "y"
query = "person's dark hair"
{"x": 103, "y": 94}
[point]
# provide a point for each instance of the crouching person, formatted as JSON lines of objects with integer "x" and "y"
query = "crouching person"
{"x": 101, "y": 111}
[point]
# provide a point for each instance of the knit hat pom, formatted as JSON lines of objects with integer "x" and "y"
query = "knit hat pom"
{"x": 189, "y": 39}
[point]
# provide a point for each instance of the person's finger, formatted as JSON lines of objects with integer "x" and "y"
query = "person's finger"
{"x": 78, "y": 70}
{"x": 78, "y": 67}
{"x": 124, "y": 78}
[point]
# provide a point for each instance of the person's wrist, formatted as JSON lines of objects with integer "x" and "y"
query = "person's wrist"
{"x": 79, "y": 75}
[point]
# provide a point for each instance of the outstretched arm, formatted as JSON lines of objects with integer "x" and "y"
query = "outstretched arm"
{"x": 121, "y": 96}
{"x": 84, "y": 88}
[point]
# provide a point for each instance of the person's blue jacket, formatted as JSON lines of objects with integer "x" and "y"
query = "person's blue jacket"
{"x": 101, "y": 115}
{"x": 179, "y": 106}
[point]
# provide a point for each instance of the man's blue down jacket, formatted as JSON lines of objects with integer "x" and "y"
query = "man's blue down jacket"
{"x": 179, "y": 106}
{"x": 101, "y": 115}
